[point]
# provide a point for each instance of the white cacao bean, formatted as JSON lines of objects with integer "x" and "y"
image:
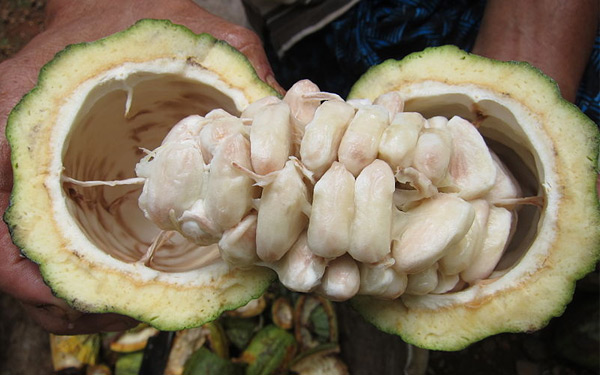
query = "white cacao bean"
{"x": 360, "y": 143}
{"x": 281, "y": 216}
{"x": 229, "y": 192}
{"x": 399, "y": 139}
{"x": 300, "y": 269}
{"x": 322, "y": 137}
{"x": 429, "y": 231}
{"x": 332, "y": 213}
{"x": 370, "y": 237}
{"x": 270, "y": 138}
{"x": 238, "y": 244}
{"x": 341, "y": 280}
{"x": 471, "y": 166}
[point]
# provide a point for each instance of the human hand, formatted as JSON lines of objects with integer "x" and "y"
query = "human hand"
{"x": 553, "y": 35}
{"x": 69, "y": 22}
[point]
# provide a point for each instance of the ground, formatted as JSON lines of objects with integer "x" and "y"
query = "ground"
{"x": 569, "y": 345}
{"x": 20, "y": 21}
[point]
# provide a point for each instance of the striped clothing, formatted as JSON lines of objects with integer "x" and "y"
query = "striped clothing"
{"x": 336, "y": 54}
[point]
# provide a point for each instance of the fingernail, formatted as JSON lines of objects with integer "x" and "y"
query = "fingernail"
{"x": 271, "y": 81}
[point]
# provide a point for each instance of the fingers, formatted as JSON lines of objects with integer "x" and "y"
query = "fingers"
{"x": 244, "y": 40}
{"x": 21, "y": 278}
{"x": 15, "y": 83}
{"x": 250, "y": 44}
{"x": 520, "y": 30}
{"x": 72, "y": 22}
{"x": 82, "y": 21}
{"x": 54, "y": 319}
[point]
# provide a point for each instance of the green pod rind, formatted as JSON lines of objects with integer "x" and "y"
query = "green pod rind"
{"x": 49, "y": 233}
{"x": 513, "y": 104}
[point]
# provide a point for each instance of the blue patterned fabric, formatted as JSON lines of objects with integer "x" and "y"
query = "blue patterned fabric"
{"x": 588, "y": 95}
{"x": 375, "y": 30}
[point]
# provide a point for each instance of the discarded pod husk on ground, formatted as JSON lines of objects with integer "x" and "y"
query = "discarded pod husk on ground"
{"x": 185, "y": 343}
{"x": 234, "y": 342}
{"x": 315, "y": 322}
{"x": 251, "y": 309}
{"x": 323, "y": 359}
{"x": 129, "y": 363}
{"x": 270, "y": 350}
{"x": 79, "y": 209}
{"x": 74, "y": 352}
{"x": 282, "y": 313}
{"x": 133, "y": 340}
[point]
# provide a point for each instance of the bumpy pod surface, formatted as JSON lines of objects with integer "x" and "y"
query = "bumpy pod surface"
{"x": 452, "y": 199}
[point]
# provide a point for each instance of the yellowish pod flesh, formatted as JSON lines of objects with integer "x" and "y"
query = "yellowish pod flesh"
{"x": 216, "y": 238}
